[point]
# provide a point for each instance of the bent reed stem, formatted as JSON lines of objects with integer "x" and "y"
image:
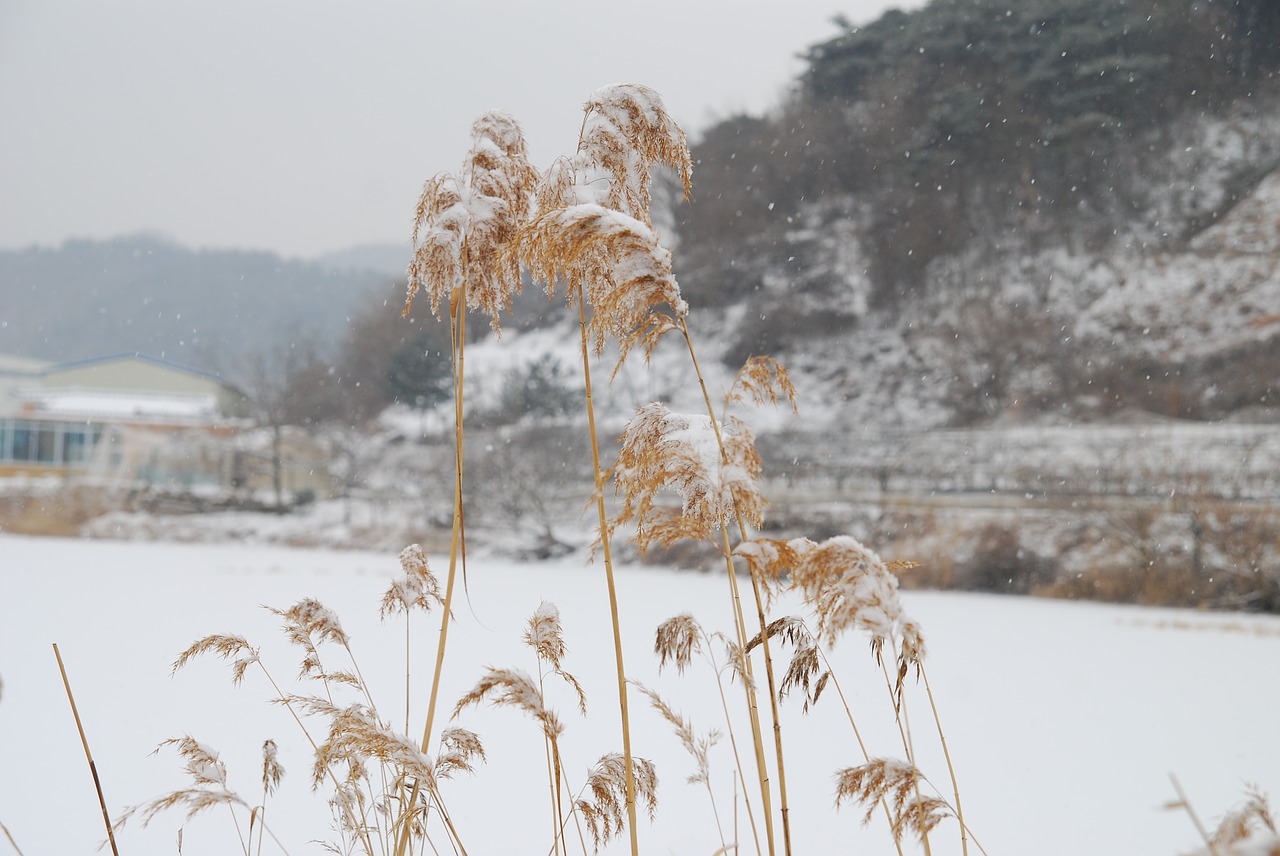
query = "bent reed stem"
{"x": 745, "y": 535}
{"x": 946, "y": 753}
{"x": 12, "y": 843}
{"x": 608, "y": 572}
{"x": 862, "y": 746}
{"x": 84, "y": 741}
{"x": 458, "y": 331}
{"x": 753, "y": 708}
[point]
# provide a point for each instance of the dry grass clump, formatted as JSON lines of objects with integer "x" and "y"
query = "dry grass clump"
{"x": 382, "y": 785}
{"x": 680, "y": 478}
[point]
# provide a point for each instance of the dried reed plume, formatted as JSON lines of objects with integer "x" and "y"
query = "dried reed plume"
{"x": 1238, "y": 824}
{"x": 460, "y": 749}
{"x": 698, "y": 747}
{"x": 356, "y": 736}
{"x": 897, "y": 783}
{"x": 806, "y": 660}
{"x": 463, "y": 224}
{"x": 512, "y": 688}
{"x": 272, "y": 771}
{"x": 848, "y": 585}
{"x": 626, "y": 130}
{"x": 417, "y": 588}
{"x": 677, "y": 640}
{"x": 605, "y": 810}
{"x": 544, "y": 634}
{"x": 210, "y": 789}
{"x": 234, "y": 648}
{"x": 546, "y": 637}
{"x": 615, "y": 262}
{"x": 307, "y": 624}
{"x": 662, "y": 449}
{"x": 762, "y": 380}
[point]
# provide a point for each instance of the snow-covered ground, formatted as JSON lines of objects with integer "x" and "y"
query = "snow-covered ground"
{"x": 1064, "y": 720}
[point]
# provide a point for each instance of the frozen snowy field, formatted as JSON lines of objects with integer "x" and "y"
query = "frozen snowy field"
{"x": 1065, "y": 720}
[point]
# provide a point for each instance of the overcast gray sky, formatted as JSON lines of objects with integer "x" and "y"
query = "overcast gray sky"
{"x": 304, "y": 126}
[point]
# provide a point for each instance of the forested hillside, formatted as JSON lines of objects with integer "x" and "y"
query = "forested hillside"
{"x": 987, "y": 207}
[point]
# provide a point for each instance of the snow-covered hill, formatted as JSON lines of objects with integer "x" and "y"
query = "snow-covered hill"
{"x": 1175, "y": 314}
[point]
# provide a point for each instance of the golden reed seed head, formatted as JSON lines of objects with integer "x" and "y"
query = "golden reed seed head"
{"x": 627, "y": 130}
{"x": 417, "y": 588}
{"x": 272, "y": 771}
{"x": 612, "y": 260}
{"x": 460, "y": 749}
{"x": 699, "y": 748}
{"x": 606, "y": 810}
{"x": 309, "y": 621}
{"x": 762, "y": 380}
{"x": 848, "y": 585}
{"x": 898, "y": 784}
{"x": 512, "y": 688}
{"x": 665, "y": 450}
{"x": 677, "y": 640}
{"x": 463, "y": 223}
{"x": 357, "y": 736}
{"x": 545, "y": 636}
{"x": 228, "y": 647}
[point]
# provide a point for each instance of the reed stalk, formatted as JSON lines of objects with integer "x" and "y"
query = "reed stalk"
{"x": 862, "y": 746}
{"x": 458, "y": 331}
{"x": 84, "y": 741}
{"x": 9, "y": 837}
{"x": 607, "y": 555}
{"x": 951, "y": 769}
{"x": 908, "y": 744}
{"x": 766, "y": 795}
{"x": 745, "y": 535}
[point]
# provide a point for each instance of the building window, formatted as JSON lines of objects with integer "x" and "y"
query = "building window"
{"x": 48, "y": 443}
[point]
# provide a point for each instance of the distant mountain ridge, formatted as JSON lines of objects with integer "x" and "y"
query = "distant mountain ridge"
{"x": 389, "y": 258}
{"x": 209, "y": 309}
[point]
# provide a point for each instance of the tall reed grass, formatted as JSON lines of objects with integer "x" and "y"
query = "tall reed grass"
{"x": 583, "y": 229}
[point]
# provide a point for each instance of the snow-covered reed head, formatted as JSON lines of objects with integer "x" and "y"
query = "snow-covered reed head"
{"x": 417, "y": 588}
{"x": 848, "y": 586}
{"x": 626, "y": 131}
{"x": 662, "y": 449}
{"x": 615, "y": 263}
{"x": 678, "y": 639}
{"x": 544, "y": 634}
{"x": 594, "y": 230}
{"x": 897, "y": 784}
{"x": 464, "y": 223}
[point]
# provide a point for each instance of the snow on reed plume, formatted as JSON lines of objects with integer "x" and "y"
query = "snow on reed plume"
{"x": 897, "y": 783}
{"x": 848, "y": 585}
{"x": 664, "y": 450}
{"x": 464, "y": 222}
